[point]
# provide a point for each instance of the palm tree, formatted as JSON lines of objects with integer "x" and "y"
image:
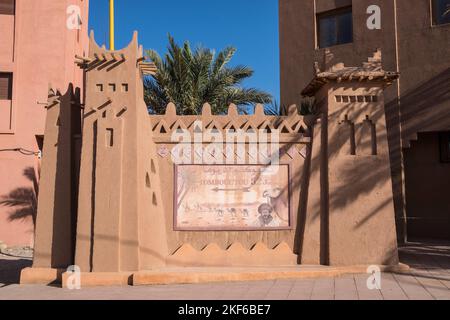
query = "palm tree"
{"x": 307, "y": 106}
{"x": 273, "y": 109}
{"x": 190, "y": 78}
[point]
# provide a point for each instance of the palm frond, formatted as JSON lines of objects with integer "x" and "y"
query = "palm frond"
{"x": 189, "y": 78}
{"x": 308, "y": 106}
{"x": 245, "y": 96}
{"x": 222, "y": 59}
{"x": 272, "y": 109}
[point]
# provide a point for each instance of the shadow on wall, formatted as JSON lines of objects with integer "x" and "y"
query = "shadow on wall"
{"x": 424, "y": 108}
{"x": 23, "y": 200}
{"x": 365, "y": 182}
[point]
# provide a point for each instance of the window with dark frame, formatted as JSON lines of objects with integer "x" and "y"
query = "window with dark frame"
{"x": 441, "y": 11}
{"x": 5, "y": 86}
{"x": 444, "y": 139}
{"x": 335, "y": 27}
{"x": 8, "y": 7}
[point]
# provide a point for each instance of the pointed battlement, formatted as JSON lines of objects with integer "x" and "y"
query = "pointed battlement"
{"x": 370, "y": 71}
{"x": 100, "y": 58}
{"x": 291, "y": 127}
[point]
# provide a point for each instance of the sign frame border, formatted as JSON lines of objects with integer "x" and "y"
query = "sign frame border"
{"x": 177, "y": 228}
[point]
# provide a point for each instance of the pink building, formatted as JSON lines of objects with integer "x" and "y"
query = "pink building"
{"x": 39, "y": 40}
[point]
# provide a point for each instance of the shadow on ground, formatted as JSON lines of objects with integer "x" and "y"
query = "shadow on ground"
{"x": 427, "y": 259}
{"x": 428, "y": 254}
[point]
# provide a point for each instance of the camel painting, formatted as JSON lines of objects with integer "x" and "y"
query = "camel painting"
{"x": 236, "y": 197}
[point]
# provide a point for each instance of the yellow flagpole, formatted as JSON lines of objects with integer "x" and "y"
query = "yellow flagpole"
{"x": 111, "y": 25}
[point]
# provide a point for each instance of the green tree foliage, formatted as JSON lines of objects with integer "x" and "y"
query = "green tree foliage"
{"x": 189, "y": 78}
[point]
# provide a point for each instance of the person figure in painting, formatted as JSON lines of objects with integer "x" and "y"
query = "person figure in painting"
{"x": 278, "y": 200}
{"x": 266, "y": 219}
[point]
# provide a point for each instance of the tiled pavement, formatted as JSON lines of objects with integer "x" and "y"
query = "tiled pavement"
{"x": 428, "y": 279}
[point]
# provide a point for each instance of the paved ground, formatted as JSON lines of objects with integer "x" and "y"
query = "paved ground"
{"x": 429, "y": 279}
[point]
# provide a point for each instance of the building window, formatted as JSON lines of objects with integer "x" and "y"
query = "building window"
{"x": 335, "y": 27}
{"x": 7, "y": 7}
{"x": 444, "y": 138}
{"x": 5, "y": 86}
{"x": 441, "y": 11}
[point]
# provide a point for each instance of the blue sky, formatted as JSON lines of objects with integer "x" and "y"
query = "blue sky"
{"x": 249, "y": 25}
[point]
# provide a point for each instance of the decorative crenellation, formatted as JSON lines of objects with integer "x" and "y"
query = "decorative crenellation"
{"x": 290, "y": 150}
{"x": 55, "y": 97}
{"x": 370, "y": 71}
{"x": 234, "y": 255}
{"x": 109, "y": 60}
{"x": 292, "y": 125}
{"x": 374, "y": 62}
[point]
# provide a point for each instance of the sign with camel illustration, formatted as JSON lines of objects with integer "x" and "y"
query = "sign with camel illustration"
{"x": 231, "y": 197}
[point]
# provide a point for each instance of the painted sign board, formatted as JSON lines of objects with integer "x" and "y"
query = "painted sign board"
{"x": 231, "y": 197}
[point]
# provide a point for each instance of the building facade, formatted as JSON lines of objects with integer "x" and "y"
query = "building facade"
{"x": 414, "y": 38}
{"x": 38, "y": 43}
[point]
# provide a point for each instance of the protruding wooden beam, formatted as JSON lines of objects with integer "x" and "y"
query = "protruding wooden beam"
{"x": 83, "y": 59}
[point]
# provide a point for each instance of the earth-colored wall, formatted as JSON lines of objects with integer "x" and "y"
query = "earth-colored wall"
{"x": 120, "y": 223}
{"x": 410, "y": 44}
{"x": 361, "y": 222}
{"x": 38, "y": 49}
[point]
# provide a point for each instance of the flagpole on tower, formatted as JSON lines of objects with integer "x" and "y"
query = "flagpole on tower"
{"x": 111, "y": 25}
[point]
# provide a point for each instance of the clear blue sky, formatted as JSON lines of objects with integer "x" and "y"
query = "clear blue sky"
{"x": 249, "y": 25}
